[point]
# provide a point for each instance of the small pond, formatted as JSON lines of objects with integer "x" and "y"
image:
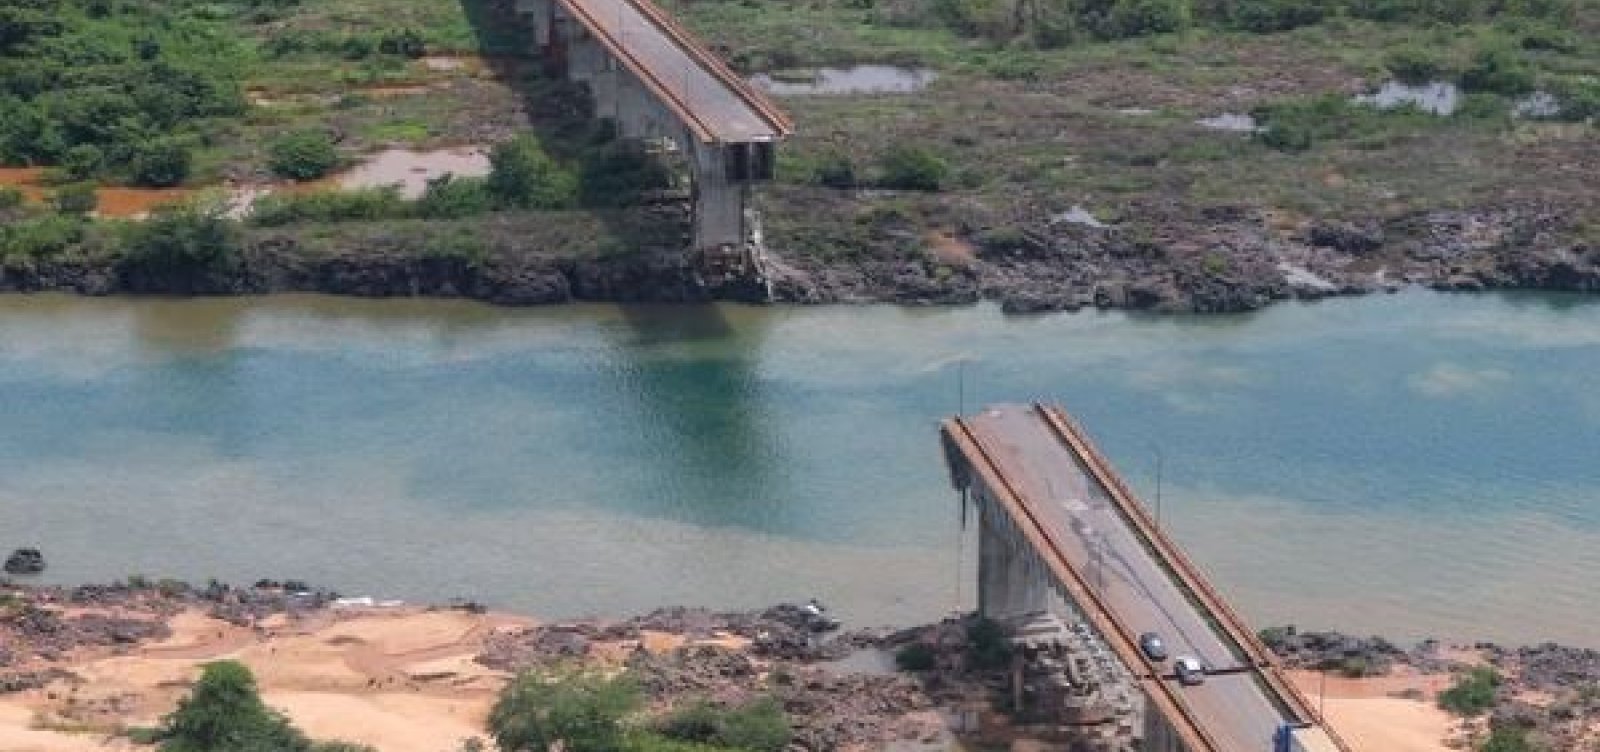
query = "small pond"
{"x": 860, "y": 79}
{"x": 1230, "y": 121}
{"x": 411, "y": 170}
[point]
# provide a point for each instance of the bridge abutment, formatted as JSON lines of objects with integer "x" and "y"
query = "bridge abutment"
{"x": 655, "y": 106}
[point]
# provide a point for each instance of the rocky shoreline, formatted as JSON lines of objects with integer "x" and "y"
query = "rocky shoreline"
{"x": 1210, "y": 261}
{"x": 839, "y": 690}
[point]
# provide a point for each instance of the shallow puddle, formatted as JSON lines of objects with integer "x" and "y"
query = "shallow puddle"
{"x": 1230, "y": 121}
{"x": 411, "y": 170}
{"x": 1437, "y": 98}
{"x": 860, "y": 79}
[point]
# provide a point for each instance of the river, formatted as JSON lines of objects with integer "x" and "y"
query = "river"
{"x": 1410, "y": 465}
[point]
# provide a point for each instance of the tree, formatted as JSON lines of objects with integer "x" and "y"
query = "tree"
{"x": 224, "y": 713}
{"x": 579, "y": 712}
{"x": 160, "y": 163}
{"x": 303, "y": 155}
{"x": 522, "y": 175}
{"x": 83, "y": 161}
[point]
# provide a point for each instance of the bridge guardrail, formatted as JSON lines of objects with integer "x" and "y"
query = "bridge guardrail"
{"x": 1193, "y": 734}
{"x": 1264, "y": 663}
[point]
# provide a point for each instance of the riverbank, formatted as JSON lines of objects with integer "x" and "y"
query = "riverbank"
{"x": 526, "y": 259}
{"x": 86, "y": 667}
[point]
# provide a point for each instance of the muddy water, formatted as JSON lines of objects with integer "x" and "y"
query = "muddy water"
{"x": 1406, "y": 465}
{"x": 407, "y": 169}
{"x": 861, "y": 79}
{"x": 411, "y": 170}
{"x": 112, "y": 201}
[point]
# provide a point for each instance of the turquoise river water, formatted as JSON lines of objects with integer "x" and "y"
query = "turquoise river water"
{"x": 1416, "y": 464}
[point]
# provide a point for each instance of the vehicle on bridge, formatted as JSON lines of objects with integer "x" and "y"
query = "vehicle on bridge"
{"x": 1153, "y": 647}
{"x": 1189, "y": 670}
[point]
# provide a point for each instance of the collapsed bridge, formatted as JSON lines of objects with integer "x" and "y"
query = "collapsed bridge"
{"x": 1061, "y": 536}
{"x": 656, "y": 82}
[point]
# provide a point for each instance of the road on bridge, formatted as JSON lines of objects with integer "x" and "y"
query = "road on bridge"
{"x": 1094, "y": 537}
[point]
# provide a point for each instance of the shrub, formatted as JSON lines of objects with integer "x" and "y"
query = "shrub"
{"x": 1274, "y": 15}
{"x": 406, "y": 43}
{"x": 1414, "y": 64}
{"x": 1498, "y": 69}
{"x": 916, "y": 657}
{"x": 1472, "y": 694}
{"x": 181, "y": 240}
{"x": 836, "y": 171}
{"x": 522, "y": 174}
{"x": 76, "y": 198}
{"x": 362, "y": 205}
{"x": 160, "y": 163}
{"x": 581, "y": 712}
{"x": 83, "y": 161}
{"x": 912, "y": 168}
{"x": 619, "y": 174}
{"x": 1480, "y": 105}
{"x": 10, "y": 197}
{"x": 987, "y": 648}
{"x": 1580, "y": 99}
{"x": 1298, "y": 124}
{"x": 303, "y": 155}
{"x": 450, "y": 197}
{"x": 759, "y": 726}
{"x": 1506, "y": 738}
{"x": 1131, "y": 18}
{"x": 40, "y": 237}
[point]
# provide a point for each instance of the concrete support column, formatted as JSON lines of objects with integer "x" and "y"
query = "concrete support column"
{"x": 718, "y": 202}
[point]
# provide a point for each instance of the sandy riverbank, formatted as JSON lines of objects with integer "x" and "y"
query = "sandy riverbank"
{"x": 404, "y": 680}
{"x": 401, "y": 680}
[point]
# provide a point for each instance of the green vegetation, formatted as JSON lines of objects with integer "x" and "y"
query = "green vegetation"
{"x": 1298, "y": 125}
{"x": 917, "y": 656}
{"x": 912, "y": 168}
{"x": 759, "y": 726}
{"x": 101, "y": 87}
{"x": 987, "y": 648}
{"x": 75, "y": 198}
{"x": 224, "y": 713}
{"x": 181, "y": 242}
{"x": 1504, "y": 738}
{"x": 1472, "y": 694}
{"x": 523, "y": 175}
{"x": 579, "y": 711}
{"x": 303, "y": 155}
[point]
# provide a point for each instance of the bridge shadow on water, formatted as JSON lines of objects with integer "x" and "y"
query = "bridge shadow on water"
{"x": 702, "y": 421}
{"x": 705, "y": 411}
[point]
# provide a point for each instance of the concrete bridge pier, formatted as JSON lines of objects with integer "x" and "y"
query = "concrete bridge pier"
{"x": 725, "y": 133}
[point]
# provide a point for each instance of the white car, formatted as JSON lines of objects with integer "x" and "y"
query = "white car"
{"x": 1190, "y": 670}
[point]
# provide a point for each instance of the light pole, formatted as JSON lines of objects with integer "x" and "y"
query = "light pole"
{"x": 1159, "y": 461}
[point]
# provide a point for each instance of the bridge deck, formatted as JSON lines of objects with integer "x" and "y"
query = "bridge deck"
{"x": 1133, "y": 578}
{"x": 711, "y": 99}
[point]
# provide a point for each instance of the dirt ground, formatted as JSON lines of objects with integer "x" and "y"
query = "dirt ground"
{"x": 401, "y": 680}
{"x": 1382, "y": 714}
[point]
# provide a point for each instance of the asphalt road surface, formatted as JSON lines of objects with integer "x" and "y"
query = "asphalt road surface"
{"x": 712, "y": 102}
{"x": 1094, "y": 538}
